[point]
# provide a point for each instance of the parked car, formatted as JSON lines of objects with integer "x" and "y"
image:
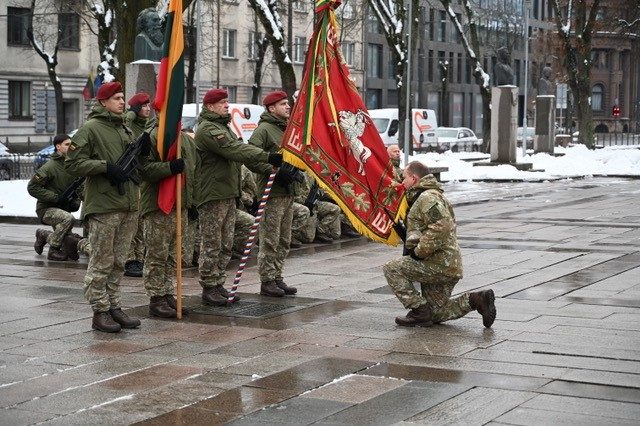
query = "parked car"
{"x": 8, "y": 166}
{"x": 386, "y": 121}
{"x": 451, "y": 138}
{"x": 530, "y": 135}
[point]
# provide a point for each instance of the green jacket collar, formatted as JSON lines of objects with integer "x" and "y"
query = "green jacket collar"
{"x": 101, "y": 113}
{"x": 207, "y": 115}
{"x": 272, "y": 119}
{"x": 425, "y": 183}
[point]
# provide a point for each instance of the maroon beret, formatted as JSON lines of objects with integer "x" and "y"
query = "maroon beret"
{"x": 139, "y": 99}
{"x": 273, "y": 97}
{"x": 215, "y": 95}
{"x": 107, "y": 90}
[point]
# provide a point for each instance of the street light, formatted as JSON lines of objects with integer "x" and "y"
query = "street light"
{"x": 407, "y": 121}
{"x": 526, "y": 5}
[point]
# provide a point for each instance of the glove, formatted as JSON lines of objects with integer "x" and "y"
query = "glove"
{"x": 145, "y": 147}
{"x": 275, "y": 159}
{"x": 192, "y": 214}
{"x": 176, "y": 166}
{"x": 283, "y": 177}
{"x": 73, "y": 205}
{"x": 116, "y": 174}
{"x": 253, "y": 210}
{"x": 401, "y": 230}
{"x": 413, "y": 255}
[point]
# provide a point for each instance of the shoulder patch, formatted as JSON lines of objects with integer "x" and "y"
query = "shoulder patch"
{"x": 220, "y": 136}
{"x": 434, "y": 213}
{"x": 73, "y": 146}
{"x": 37, "y": 177}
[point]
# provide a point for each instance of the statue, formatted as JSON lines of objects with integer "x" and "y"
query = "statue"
{"x": 149, "y": 40}
{"x": 545, "y": 85}
{"x": 502, "y": 72}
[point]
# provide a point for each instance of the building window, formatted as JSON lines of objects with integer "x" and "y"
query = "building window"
{"x": 430, "y": 66}
{"x": 459, "y": 68}
{"x": 299, "y": 5}
{"x": 228, "y": 43}
{"x": 392, "y": 68}
{"x": 19, "y": 100}
{"x": 254, "y": 39}
{"x": 17, "y": 23}
{"x": 346, "y": 10}
{"x": 349, "y": 53}
{"x": 373, "y": 26}
{"x": 432, "y": 24}
{"x": 392, "y": 97}
{"x": 299, "y": 49}
{"x": 69, "y": 28}
{"x": 232, "y": 91}
{"x": 597, "y": 96}
{"x": 374, "y": 100}
{"x": 374, "y": 60}
{"x": 442, "y": 27}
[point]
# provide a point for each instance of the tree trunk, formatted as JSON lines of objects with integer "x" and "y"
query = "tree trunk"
{"x": 191, "y": 41}
{"x": 402, "y": 108}
{"x": 584, "y": 115}
{"x": 257, "y": 74}
{"x": 486, "y": 118}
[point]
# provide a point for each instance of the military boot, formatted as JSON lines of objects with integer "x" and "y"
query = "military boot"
{"x": 212, "y": 296}
{"x": 133, "y": 268}
{"x": 56, "y": 254}
{"x": 484, "y": 303}
{"x": 123, "y": 319}
{"x": 322, "y": 239}
{"x": 420, "y": 316}
{"x": 102, "y": 321}
{"x": 271, "y": 289}
{"x": 41, "y": 240}
{"x": 70, "y": 246}
{"x": 173, "y": 304}
{"x": 223, "y": 291}
{"x": 287, "y": 289}
{"x": 158, "y": 307}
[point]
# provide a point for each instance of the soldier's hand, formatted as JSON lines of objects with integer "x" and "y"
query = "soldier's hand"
{"x": 116, "y": 174}
{"x": 192, "y": 214}
{"x": 413, "y": 255}
{"x": 275, "y": 159}
{"x": 74, "y": 205}
{"x": 176, "y": 166}
{"x": 401, "y": 230}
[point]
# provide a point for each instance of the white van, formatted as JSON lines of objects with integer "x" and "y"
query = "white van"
{"x": 386, "y": 121}
{"x": 244, "y": 118}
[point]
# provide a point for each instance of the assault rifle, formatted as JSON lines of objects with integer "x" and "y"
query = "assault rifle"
{"x": 66, "y": 199}
{"x": 312, "y": 198}
{"x": 129, "y": 161}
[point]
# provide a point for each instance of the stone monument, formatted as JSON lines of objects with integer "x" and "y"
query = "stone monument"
{"x": 502, "y": 72}
{"x": 504, "y": 124}
{"x": 545, "y": 124}
{"x": 545, "y": 85}
{"x": 148, "y": 44}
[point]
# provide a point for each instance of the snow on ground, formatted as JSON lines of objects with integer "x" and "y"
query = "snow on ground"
{"x": 577, "y": 162}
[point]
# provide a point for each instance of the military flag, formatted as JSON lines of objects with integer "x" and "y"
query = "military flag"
{"x": 332, "y": 136}
{"x": 169, "y": 98}
{"x": 87, "y": 92}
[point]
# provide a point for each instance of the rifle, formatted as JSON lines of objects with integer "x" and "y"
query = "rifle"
{"x": 129, "y": 161}
{"x": 312, "y": 198}
{"x": 69, "y": 194}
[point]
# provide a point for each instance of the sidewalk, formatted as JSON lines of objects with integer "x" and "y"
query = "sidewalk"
{"x": 562, "y": 257}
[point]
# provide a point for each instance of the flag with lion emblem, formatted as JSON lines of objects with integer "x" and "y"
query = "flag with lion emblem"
{"x": 331, "y": 135}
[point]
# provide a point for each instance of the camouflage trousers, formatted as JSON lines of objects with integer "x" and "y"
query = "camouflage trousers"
{"x": 328, "y": 220}
{"x": 110, "y": 236}
{"x": 84, "y": 247}
{"x": 160, "y": 260}
{"x": 244, "y": 222}
{"x": 217, "y": 221}
{"x": 136, "y": 252}
{"x": 436, "y": 289}
{"x": 303, "y": 226}
{"x": 190, "y": 242}
{"x": 62, "y": 223}
{"x": 275, "y": 237}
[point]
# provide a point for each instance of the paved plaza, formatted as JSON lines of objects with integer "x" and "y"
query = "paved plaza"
{"x": 563, "y": 258}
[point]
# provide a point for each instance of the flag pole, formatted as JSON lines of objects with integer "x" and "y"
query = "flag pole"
{"x": 178, "y": 234}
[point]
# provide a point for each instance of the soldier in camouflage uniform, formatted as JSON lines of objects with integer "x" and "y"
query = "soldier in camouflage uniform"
{"x": 160, "y": 228}
{"x": 303, "y": 227}
{"x": 245, "y": 218}
{"x": 47, "y": 185}
{"x": 275, "y": 229}
{"x": 137, "y": 119}
{"x": 394, "y": 156}
{"x": 219, "y": 155}
{"x": 433, "y": 258}
{"x": 112, "y": 216}
{"x": 325, "y": 216}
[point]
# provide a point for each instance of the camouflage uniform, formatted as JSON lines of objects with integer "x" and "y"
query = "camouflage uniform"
{"x": 216, "y": 229}
{"x": 431, "y": 234}
{"x": 62, "y": 223}
{"x": 244, "y": 222}
{"x": 303, "y": 227}
{"x": 397, "y": 171}
{"x": 190, "y": 242}
{"x": 328, "y": 215}
{"x": 325, "y": 217}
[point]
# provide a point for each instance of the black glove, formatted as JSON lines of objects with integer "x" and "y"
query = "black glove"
{"x": 176, "y": 166}
{"x": 253, "y": 209}
{"x": 116, "y": 174}
{"x": 283, "y": 177}
{"x": 275, "y": 159}
{"x": 145, "y": 147}
{"x": 192, "y": 214}
{"x": 73, "y": 205}
{"x": 413, "y": 254}
{"x": 401, "y": 230}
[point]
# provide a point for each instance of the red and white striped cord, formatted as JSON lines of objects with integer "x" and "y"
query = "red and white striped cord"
{"x": 251, "y": 240}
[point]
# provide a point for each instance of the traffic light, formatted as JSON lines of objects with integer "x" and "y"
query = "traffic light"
{"x": 616, "y": 111}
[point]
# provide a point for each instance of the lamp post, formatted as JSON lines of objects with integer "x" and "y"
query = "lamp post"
{"x": 407, "y": 120}
{"x": 526, "y": 4}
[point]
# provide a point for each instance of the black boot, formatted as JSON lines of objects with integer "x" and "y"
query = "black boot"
{"x": 212, "y": 296}
{"x": 133, "y": 268}
{"x": 41, "y": 240}
{"x": 102, "y": 321}
{"x": 287, "y": 289}
{"x": 56, "y": 254}
{"x": 173, "y": 304}
{"x": 420, "y": 316}
{"x": 484, "y": 303}
{"x": 224, "y": 292}
{"x": 123, "y": 319}
{"x": 322, "y": 239}
{"x": 158, "y": 307}
{"x": 70, "y": 246}
{"x": 271, "y": 289}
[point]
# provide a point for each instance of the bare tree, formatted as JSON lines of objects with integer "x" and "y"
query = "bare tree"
{"x": 443, "y": 65}
{"x": 257, "y": 52}
{"x": 575, "y": 22}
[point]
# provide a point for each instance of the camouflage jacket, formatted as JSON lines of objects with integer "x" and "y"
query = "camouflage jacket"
{"x": 431, "y": 228}
{"x": 249, "y": 189}
{"x": 49, "y": 182}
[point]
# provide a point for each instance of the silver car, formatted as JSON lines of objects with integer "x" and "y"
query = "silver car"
{"x": 451, "y": 139}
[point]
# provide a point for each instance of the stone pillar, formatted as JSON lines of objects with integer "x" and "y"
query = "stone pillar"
{"x": 544, "y": 139}
{"x": 142, "y": 75}
{"x": 504, "y": 123}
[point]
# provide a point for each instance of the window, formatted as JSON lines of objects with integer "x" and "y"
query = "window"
{"x": 597, "y": 96}
{"x": 392, "y": 67}
{"x": 346, "y": 10}
{"x": 19, "y": 100}
{"x": 299, "y": 5}
{"x": 374, "y": 60}
{"x": 299, "y": 49}
{"x": 232, "y": 91}
{"x": 17, "y": 23}
{"x": 373, "y": 26}
{"x": 430, "y": 66}
{"x": 228, "y": 43}
{"x": 600, "y": 59}
{"x": 349, "y": 53}
{"x": 254, "y": 39}
{"x": 442, "y": 27}
{"x": 392, "y": 97}
{"x": 373, "y": 98}
{"x": 459, "y": 68}
{"x": 69, "y": 27}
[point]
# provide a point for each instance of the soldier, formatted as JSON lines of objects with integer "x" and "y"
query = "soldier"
{"x": 325, "y": 216}
{"x": 219, "y": 154}
{"x": 394, "y": 156}
{"x": 275, "y": 229}
{"x": 137, "y": 119}
{"x": 112, "y": 216}
{"x": 47, "y": 185}
{"x": 303, "y": 227}
{"x": 160, "y": 228}
{"x": 433, "y": 258}
{"x": 191, "y": 234}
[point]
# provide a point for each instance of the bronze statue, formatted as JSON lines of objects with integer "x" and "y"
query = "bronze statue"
{"x": 545, "y": 85}
{"x": 149, "y": 40}
{"x": 502, "y": 72}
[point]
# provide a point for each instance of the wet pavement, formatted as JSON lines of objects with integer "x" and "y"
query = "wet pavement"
{"x": 563, "y": 258}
